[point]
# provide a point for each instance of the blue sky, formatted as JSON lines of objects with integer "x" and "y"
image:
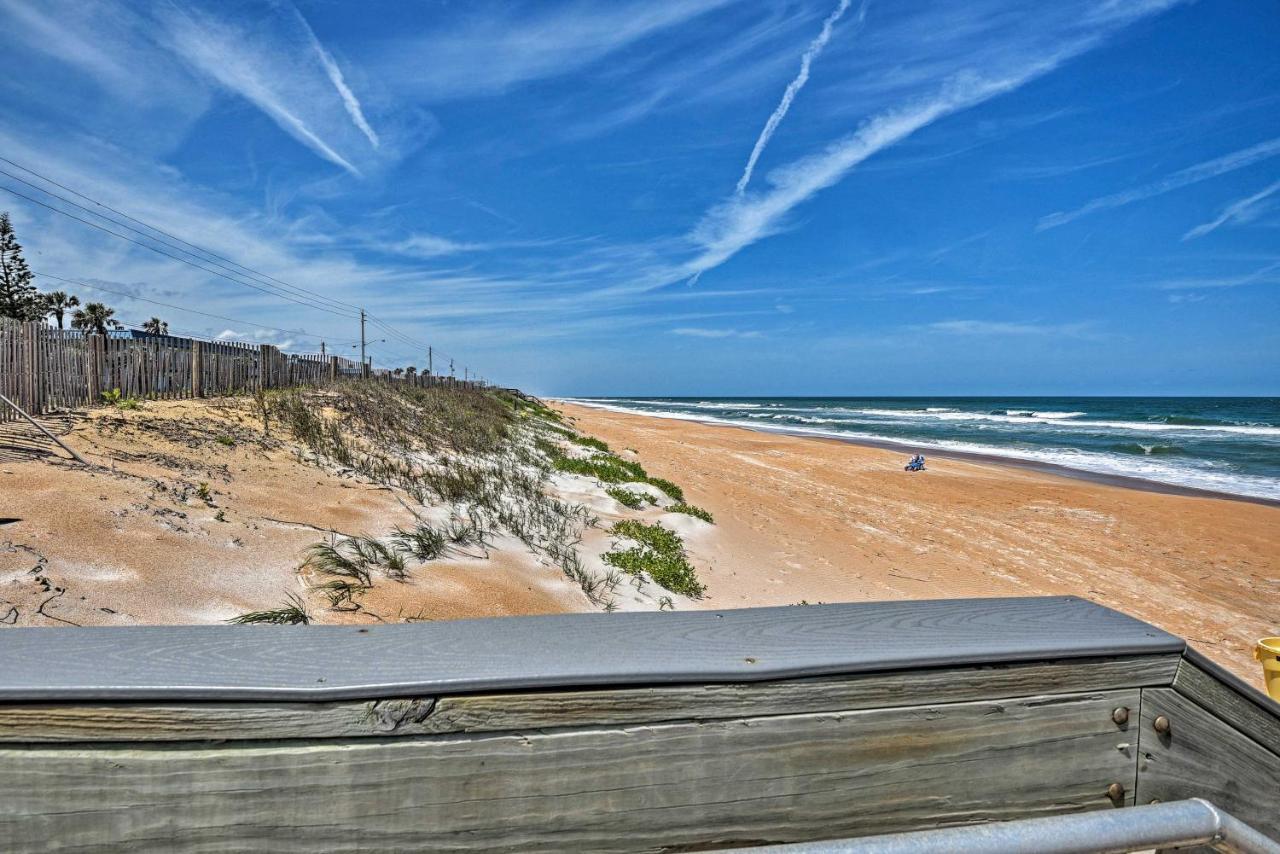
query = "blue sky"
{"x": 684, "y": 196}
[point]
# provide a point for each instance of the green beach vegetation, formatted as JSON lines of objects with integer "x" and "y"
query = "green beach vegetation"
{"x": 485, "y": 456}
{"x": 690, "y": 510}
{"x": 627, "y": 497}
{"x": 659, "y": 553}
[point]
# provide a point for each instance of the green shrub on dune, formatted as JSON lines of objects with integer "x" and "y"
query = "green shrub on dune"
{"x": 690, "y": 510}
{"x": 668, "y": 487}
{"x": 626, "y": 497}
{"x": 590, "y": 442}
{"x": 603, "y": 467}
{"x": 658, "y": 553}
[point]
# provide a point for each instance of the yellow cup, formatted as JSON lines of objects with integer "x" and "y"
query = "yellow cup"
{"x": 1268, "y": 652}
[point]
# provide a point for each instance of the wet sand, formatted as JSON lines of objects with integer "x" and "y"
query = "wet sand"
{"x": 817, "y": 520}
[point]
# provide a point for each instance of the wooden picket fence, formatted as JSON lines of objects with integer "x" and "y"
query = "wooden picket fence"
{"x": 45, "y": 370}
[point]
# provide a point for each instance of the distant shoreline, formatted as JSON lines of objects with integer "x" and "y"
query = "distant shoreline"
{"x": 1122, "y": 481}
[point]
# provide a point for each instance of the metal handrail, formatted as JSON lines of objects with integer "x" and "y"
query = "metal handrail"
{"x": 1173, "y": 825}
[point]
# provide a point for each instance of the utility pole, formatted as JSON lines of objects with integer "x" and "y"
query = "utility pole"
{"x": 465, "y": 373}
{"x": 322, "y": 349}
{"x": 429, "y": 371}
{"x": 362, "y": 336}
{"x": 451, "y": 367}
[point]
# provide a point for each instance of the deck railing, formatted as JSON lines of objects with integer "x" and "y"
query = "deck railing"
{"x": 616, "y": 732}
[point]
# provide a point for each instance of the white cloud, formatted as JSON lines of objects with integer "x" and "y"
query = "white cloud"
{"x": 1025, "y": 55}
{"x": 1182, "y": 178}
{"x": 742, "y": 220}
{"x": 349, "y": 99}
{"x": 260, "y": 336}
{"x": 701, "y": 332}
{"x": 1241, "y": 211}
{"x": 429, "y": 246}
{"x": 990, "y": 328}
{"x": 490, "y": 52}
{"x": 1263, "y": 275}
{"x": 793, "y": 88}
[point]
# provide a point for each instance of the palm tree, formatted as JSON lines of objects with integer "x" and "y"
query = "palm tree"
{"x": 156, "y": 326}
{"x": 57, "y": 303}
{"x": 95, "y": 317}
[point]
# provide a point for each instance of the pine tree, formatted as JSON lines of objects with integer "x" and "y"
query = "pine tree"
{"x": 18, "y": 297}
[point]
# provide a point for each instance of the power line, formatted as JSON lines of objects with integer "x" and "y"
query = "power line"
{"x": 311, "y": 294}
{"x": 296, "y": 288}
{"x": 180, "y": 308}
{"x": 170, "y": 255}
{"x": 284, "y": 290}
{"x": 413, "y": 342}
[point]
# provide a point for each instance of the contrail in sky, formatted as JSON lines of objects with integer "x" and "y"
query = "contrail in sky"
{"x": 793, "y": 88}
{"x": 1191, "y": 175}
{"x": 334, "y": 73}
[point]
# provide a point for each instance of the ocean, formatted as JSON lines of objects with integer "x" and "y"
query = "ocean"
{"x": 1223, "y": 444}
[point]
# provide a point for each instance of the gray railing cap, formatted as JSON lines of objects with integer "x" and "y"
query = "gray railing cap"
{"x": 513, "y": 653}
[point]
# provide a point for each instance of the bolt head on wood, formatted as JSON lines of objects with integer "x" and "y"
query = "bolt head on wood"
{"x": 1120, "y": 716}
{"x": 1116, "y": 792}
{"x": 1161, "y": 725}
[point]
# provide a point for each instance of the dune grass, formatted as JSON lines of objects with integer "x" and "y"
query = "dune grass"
{"x": 626, "y": 497}
{"x": 691, "y": 510}
{"x": 658, "y": 553}
{"x": 590, "y": 442}
{"x": 486, "y": 454}
{"x": 292, "y": 614}
{"x": 668, "y": 487}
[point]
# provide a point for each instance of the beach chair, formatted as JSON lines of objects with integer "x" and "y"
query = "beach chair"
{"x": 916, "y": 464}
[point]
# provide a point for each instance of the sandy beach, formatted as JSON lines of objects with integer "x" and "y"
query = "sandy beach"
{"x": 814, "y": 520}
{"x": 191, "y": 514}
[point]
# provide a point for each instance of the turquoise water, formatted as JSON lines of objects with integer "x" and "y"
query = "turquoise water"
{"x": 1218, "y": 443}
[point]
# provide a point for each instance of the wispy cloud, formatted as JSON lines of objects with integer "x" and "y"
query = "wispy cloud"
{"x": 349, "y": 99}
{"x": 988, "y": 328}
{"x": 702, "y": 332}
{"x": 742, "y": 220}
{"x": 487, "y": 53}
{"x": 1241, "y": 210}
{"x": 1182, "y": 178}
{"x": 429, "y": 246}
{"x": 797, "y": 83}
{"x": 280, "y": 67}
{"x": 1263, "y": 275}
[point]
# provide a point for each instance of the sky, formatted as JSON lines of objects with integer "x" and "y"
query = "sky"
{"x": 674, "y": 197}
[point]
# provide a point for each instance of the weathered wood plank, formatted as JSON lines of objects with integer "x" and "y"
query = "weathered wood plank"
{"x": 230, "y": 663}
{"x": 1202, "y": 756}
{"x": 68, "y": 722}
{"x": 788, "y": 778}
{"x": 542, "y": 710}
{"x": 1249, "y": 711}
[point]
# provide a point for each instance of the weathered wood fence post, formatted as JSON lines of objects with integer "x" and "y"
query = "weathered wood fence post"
{"x": 333, "y": 369}
{"x": 93, "y": 368}
{"x": 197, "y": 369}
{"x": 34, "y": 376}
{"x": 264, "y": 366}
